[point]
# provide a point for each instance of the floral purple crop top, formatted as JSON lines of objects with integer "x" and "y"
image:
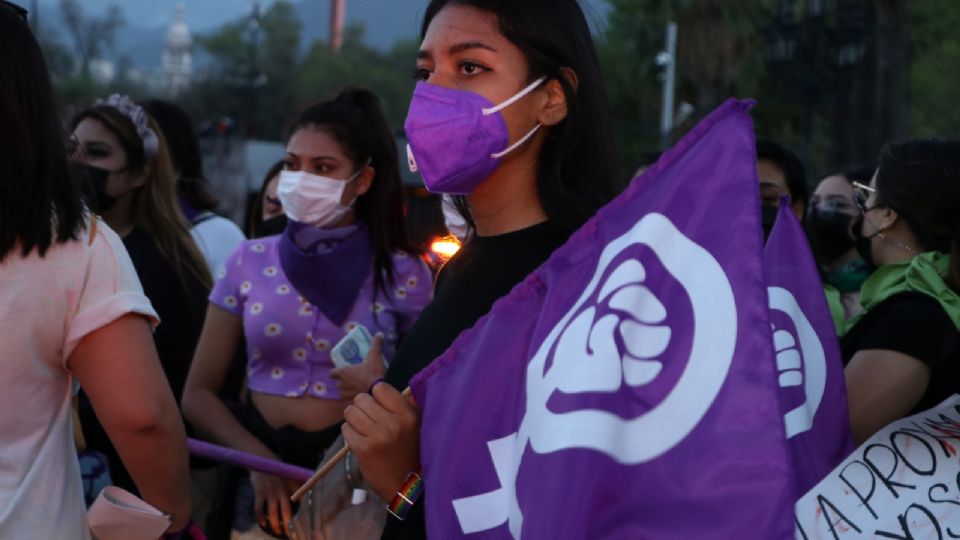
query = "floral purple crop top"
{"x": 289, "y": 339}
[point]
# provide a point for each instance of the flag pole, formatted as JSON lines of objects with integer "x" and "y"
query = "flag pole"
{"x": 327, "y": 467}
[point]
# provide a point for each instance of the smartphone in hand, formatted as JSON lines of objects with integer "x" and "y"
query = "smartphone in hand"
{"x": 353, "y": 348}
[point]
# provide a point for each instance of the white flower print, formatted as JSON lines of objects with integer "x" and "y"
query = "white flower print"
{"x": 273, "y": 330}
{"x": 276, "y": 374}
{"x": 350, "y": 325}
{"x": 270, "y": 271}
{"x": 258, "y": 248}
{"x": 306, "y": 310}
{"x": 256, "y": 308}
{"x": 302, "y": 300}
{"x": 412, "y": 282}
{"x": 320, "y": 389}
{"x": 230, "y": 301}
{"x": 300, "y": 354}
{"x": 293, "y": 394}
{"x": 222, "y": 272}
{"x": 400, "y": 293}
{"x": 283, "y": 289}
{"x": 304, "y": 386}
{"x": 322, "y": 344}
{"x": 255, "y": 352}
{"x": 376, "y": 307}
{"x": 245, "y": 287}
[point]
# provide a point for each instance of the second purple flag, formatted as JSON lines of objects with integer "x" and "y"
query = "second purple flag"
{"x": 628, "y": 387}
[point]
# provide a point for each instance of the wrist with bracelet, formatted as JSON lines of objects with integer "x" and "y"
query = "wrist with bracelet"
{"x": 408, "y": 494}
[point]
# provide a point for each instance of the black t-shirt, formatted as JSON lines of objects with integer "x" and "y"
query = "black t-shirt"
{"x": 914, "y": 324}
{"x": 486, "y": 269}
{"x": 181, "y": 315}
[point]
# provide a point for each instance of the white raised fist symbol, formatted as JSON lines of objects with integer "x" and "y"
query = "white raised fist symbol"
{"x": 637, "y": 320}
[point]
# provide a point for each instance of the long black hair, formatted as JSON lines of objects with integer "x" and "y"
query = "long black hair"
{"x": 184, "y": 148}
{"x": 920, "y": 180}
{"x": 40, "y": 200}
{"x": 354, "y": 118}
{"x": 577, "y": 172}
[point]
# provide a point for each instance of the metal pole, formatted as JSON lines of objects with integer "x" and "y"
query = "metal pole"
{"x": 35, "y": 17}
{"x": 669, "y": 60}
{"x": 338, "y": 14}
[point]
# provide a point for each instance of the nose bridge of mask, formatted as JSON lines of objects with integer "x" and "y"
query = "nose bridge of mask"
{"x": 516, "y": 97}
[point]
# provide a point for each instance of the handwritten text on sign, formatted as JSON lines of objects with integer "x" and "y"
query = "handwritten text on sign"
{"x": 903, "y": 483}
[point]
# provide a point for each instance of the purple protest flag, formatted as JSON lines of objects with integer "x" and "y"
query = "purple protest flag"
{"x": 813, "y": 394}
{"x": 627, "y": 388}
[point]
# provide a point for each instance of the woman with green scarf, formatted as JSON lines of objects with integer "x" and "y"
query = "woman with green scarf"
{"x": 902, "y": 354}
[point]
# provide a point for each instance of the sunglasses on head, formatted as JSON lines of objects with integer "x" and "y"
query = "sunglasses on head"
{"x": 21, "y": 12}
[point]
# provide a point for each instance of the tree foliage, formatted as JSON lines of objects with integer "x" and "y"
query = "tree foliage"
{"x": 91, "y": 36}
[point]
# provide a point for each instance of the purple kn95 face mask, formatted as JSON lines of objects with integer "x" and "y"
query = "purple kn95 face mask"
{"x": 457, "y": 138}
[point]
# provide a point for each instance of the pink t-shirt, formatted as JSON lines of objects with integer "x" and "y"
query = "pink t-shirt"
{"x": 47, "y": 306}
{"x": 289, "y": 339}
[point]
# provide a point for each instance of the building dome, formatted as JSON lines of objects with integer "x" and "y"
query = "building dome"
{"x": 178, "y": 35}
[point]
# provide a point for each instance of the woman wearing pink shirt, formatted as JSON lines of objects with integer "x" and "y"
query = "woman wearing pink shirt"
{"x": 72, "y": 310}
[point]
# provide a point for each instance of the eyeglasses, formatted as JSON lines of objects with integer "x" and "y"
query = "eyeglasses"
{"x": 861, "y": 192}
{"x": 21, "y": 12}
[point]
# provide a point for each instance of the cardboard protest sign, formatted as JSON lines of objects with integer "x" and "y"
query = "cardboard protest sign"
{"x": 902, "y": 483}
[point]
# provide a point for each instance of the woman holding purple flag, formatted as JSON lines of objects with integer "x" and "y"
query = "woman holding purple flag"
{"x": 343, "y": 261}
{"x": 903, "y": 353}
{"x": 510, "y": 116}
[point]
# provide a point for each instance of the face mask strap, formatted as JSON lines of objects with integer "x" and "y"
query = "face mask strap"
{"x": 517, "y": 144}
{"x": 517, "y": 97}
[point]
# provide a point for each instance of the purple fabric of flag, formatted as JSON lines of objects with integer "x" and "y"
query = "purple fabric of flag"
{"x": 813, "y": 395}
{"x": 626, "y": 388}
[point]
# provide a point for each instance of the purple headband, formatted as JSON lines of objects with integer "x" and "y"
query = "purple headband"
{"x": 141, "y": 121}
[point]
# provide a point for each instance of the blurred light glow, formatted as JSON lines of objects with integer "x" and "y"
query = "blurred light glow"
{"x": 445, "y": 247}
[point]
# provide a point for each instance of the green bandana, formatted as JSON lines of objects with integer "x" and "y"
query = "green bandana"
{"x": 849, "y": 278}
{"x": 835, "y": 303}
{"x": 923, "y": 273}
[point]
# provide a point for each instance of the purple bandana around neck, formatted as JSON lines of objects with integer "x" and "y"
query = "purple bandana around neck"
{"x": 188, "y": 210}
{"x": 328, "y": 267}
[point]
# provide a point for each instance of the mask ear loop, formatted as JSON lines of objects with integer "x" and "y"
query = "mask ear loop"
{"x": 517, "y": 97}
{"x": 517, "y": 144}
{"x": 355, "y": 175}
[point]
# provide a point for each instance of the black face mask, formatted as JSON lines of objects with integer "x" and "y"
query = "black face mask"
{"x": 768, "y": 217}
{"x": 829, "y": 234}
{"x": 93, "y": 182}
{"x": 270, "y": 227}
{"x": 863, "y": 244}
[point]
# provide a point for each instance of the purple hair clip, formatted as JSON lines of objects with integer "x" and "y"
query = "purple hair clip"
{"x": 140, "y": 119}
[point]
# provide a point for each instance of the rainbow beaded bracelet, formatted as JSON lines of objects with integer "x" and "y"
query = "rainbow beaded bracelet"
{"x": 406, "y": 496}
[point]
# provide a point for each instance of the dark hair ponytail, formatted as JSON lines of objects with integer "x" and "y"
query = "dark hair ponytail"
{"x": 354, "y": 118}
{"x": 920, "y": 180}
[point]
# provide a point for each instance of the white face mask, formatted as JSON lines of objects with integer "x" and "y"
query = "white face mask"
{"x": 456, "y": 224}
{"x": 313, "y": 199}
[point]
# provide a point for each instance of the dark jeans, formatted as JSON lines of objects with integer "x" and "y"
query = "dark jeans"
{"x": 294, "y": 446}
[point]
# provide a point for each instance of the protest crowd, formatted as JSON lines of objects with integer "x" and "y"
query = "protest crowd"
{"x": 684, "y": 354}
